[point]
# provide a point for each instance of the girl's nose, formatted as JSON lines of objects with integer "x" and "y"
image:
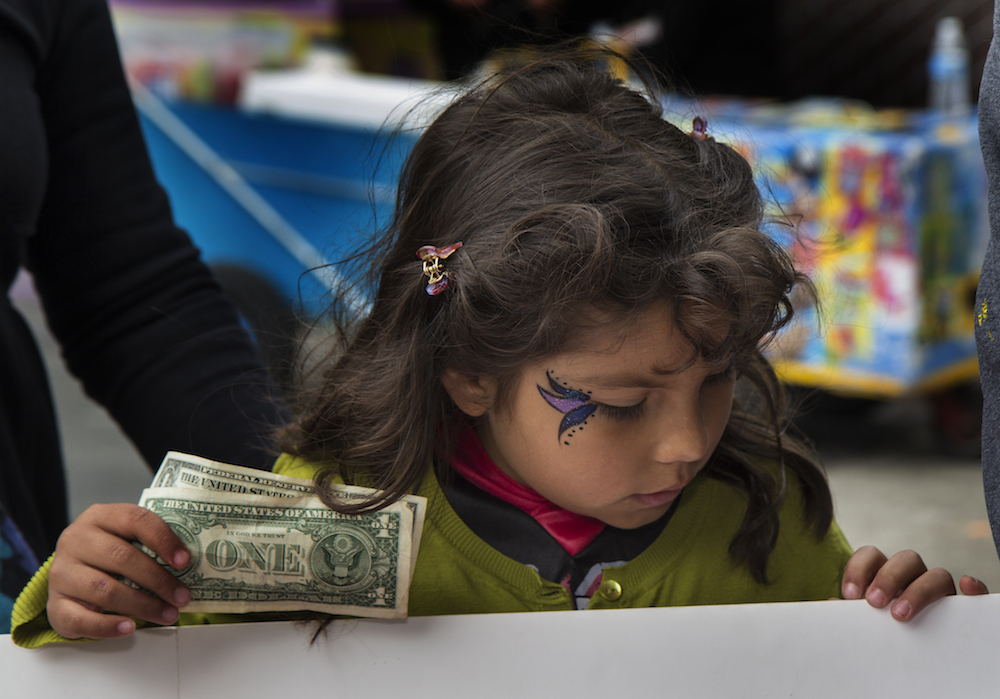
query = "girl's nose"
{"x": 682, "y": 437}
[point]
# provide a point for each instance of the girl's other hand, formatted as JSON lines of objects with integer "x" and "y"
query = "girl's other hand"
{"x": 881, "y": 580}
{"x": 97, "y": 547}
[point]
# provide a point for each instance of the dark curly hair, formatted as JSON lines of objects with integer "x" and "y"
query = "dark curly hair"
{"x": 570, "y": 193}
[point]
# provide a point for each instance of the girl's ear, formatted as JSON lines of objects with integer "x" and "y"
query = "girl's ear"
{"x": 472, "y": 396}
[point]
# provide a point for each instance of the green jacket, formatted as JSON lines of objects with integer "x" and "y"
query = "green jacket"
{"x": 689, "y": 563}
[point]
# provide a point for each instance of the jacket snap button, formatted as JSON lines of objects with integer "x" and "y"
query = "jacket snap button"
{"x": 610, "y": 590}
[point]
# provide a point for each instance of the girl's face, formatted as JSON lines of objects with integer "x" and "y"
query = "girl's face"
{"x": 614, "y": 431}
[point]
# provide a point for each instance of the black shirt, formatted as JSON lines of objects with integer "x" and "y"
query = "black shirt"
{"x": 139, "y": 317}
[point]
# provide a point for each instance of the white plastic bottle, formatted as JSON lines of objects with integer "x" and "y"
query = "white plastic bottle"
{"x": 948, "y": 69}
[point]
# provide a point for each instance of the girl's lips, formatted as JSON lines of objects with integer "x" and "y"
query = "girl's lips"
{"x": 657, "y": 499}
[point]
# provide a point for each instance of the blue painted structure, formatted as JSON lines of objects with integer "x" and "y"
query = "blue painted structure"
{"x": 331, "y": 185}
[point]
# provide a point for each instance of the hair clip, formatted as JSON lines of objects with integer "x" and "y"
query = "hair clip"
{"x": 437, "y": 275}
{"x": 699, "y": 128}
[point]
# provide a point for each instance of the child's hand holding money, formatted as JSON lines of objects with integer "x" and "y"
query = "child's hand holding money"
{"x": 90, "y": 555}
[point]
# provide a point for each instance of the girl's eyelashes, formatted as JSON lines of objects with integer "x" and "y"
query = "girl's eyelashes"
{"x": 623, "y": 413}
{"x": 626, "y": 413}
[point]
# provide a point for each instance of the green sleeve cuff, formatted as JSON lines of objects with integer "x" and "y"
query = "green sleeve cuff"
{"x": 29, "y": 625}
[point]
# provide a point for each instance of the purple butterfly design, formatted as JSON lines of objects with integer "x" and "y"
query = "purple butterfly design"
{"x": 566, "y": 400}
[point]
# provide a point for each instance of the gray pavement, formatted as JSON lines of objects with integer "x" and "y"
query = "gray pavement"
{"x": 895, "y": 488}
{"x": 892, "y": 487}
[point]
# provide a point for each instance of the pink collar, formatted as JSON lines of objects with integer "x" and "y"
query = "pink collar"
{"x": 572, "y": 531}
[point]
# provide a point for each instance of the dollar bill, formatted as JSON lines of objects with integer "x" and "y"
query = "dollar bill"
{"x": 255, "y": 553}
{"x": 179, "y": 470}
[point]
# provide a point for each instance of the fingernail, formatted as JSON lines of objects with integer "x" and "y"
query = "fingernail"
{"x": 126, "y": 627}
{"x": 901, "y": 610}
{"x": 170, "y": 615}
{"x": 182, "y": 596}
{"x": 876, "y": 598}
{"x": 181, "y": 559}
{"x": 851, "y": 591}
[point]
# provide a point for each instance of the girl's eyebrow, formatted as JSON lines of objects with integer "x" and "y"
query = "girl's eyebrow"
{"x": 625, "y": 379}
{"x": 635, "y": 379}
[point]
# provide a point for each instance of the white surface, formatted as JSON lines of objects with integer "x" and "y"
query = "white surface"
{"x": 142, "y": 666}
{"x": 346, "y": 99}
{"x": 813, "y": 649}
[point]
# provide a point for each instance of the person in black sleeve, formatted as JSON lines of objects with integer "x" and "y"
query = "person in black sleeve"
{"x": 138, "y": 315}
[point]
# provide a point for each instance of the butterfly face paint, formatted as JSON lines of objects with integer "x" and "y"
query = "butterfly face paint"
{"x": 574, "y": 404}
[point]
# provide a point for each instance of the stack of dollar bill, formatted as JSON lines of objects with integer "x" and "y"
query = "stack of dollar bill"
{"x": 262, "y": 542}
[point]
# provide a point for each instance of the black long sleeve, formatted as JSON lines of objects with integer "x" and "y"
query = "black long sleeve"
{"x": 140, "y": 319}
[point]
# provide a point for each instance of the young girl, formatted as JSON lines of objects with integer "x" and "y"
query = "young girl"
{"x": 564, "y": 357}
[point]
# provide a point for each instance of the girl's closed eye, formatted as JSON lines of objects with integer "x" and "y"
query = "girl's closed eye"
{"x": 623, "y": 413}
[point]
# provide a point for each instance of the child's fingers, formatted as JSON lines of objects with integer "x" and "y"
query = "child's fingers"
{"x": 101, "y": 539}
{"x": 70, "y": 619}
{"x": 79, "y": 594}
{"x": 131, "y": 522}
{"x": 929, "y": 587}
{"x": 905, "y": 576}
{"x": 73, "y": 618}
{"x": 970, "y": 586}
{"x": 109, "y": 556}
{"x": 98, "y": 590}
{"x": 881, "y": 580}
{"x": 860, "y": 570}
{"x": 95, "y": 549}
{"x": 894, "y": 576}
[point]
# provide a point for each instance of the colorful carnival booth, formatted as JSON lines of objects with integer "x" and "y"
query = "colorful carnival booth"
{"x": 884, "y": 210}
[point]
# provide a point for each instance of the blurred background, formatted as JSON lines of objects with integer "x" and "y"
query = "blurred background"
{"x": 278, "y": 129}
